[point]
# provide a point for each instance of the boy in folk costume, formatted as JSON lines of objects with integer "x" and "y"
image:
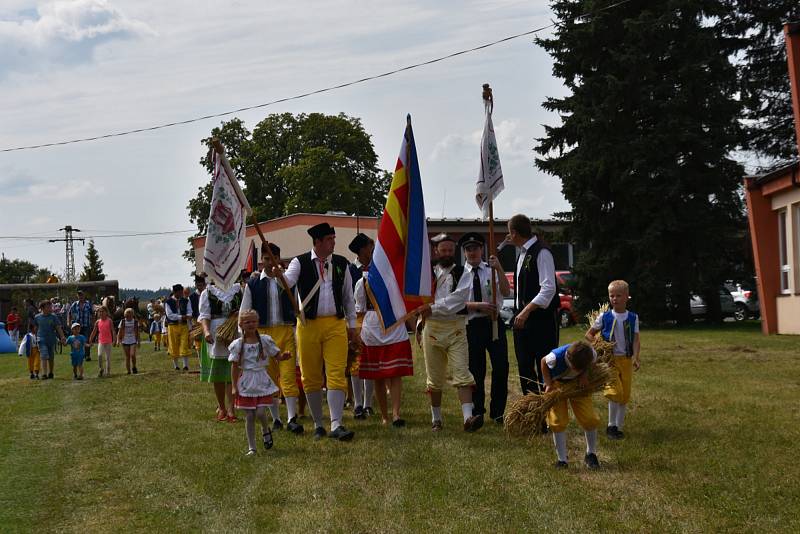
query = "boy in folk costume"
{"x": 276, "y": 318}
{"x": 325, "y": 288}
{"x": 442, "y": 333}
{"x": 30, "y": 349}
{"x": 363, "y": 389}
{"x": 620, "y": 326}
{"x": 565, "y": 363}
{"x": 178, "y": 311}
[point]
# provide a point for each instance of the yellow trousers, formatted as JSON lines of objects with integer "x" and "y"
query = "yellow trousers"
{"x": 34, "y": 360}
{"x": 558, "y": 416}
{"x": 322, "y": 341}
{"x": 157, "y": 337}
{"x": 178, "y": 339}
{"x": 283, "y": 373}
{"x": 619, "y": 389}
{"x": 444, "y": 344}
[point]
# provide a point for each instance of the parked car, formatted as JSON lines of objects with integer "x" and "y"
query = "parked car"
{"x": 506, "y": 313}
{"x": 698, "y": 306}
{"x": 745, "y": 298}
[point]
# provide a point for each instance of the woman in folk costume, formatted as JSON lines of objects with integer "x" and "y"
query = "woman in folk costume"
{"x": 276, "y": 318}
{"x": 385, "y": 356}
{"x": 178, "y": 311}
{"x": 215, "y": 306}
{"x": 325, "y": 288}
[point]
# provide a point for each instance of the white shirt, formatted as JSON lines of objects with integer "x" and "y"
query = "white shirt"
{"x": 326, "y": 305}
{"x": 275, "y": 312}
{"x": 618, "y": 334}
{"x": 446, "y": 305}
{"x": 547, "y": 276}
{"x": 372, "y": 333}
{"x": 173, "y": 316}
{"x": 485, "y": 277}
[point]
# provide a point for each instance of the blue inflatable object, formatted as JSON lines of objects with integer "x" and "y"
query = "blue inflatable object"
{"x": 6, "y": 345}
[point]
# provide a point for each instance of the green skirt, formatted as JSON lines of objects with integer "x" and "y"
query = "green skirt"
{"x": 211, "y": 369}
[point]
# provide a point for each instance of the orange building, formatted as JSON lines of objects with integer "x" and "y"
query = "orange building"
{"x": 773, "y": 205}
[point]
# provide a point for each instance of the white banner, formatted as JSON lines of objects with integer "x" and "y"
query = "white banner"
{"x": 224, "y": 253}
{"x": 490, "y": 177}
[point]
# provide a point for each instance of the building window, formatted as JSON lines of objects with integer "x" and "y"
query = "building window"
{"x": 785, "y": 269}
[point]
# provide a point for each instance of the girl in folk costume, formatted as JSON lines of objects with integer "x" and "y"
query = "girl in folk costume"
{"x": 155, "y": 331}
{"x": 252, "y": 388}
{"x": 216, "y": 305}
{"x": 178, "y": 310}
{"x": 385, "y": 356}
{"x": 103, "y": 332}
{"x": 128, "y": 337}
{"x": 30, "y": 348}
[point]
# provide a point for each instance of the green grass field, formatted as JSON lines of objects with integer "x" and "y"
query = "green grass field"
{"x": 711, "y": 436}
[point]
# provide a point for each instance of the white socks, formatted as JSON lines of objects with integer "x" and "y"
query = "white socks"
{"x": 291, "y": 407}
{"x": 358, "y": 390}
{"x": 466, "y": 410}
{"x": 250, "y": 428}
{"x": 185, "y": 361}
{"x": 591, "y": 441}
{"x": 369, "y": 389}
{"x": 336, "y": 406}
{"x": 560, "y": 439}
{"x": 314, "y": 399}
{"x": 436, "y": 413}
{"x": 273, "y": 409}
{"x": 616, "y": 414}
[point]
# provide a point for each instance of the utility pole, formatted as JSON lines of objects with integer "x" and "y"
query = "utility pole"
{"x": 69, "y": 273}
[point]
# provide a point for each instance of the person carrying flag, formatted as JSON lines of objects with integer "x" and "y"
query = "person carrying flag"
{"x": 327, "y": 323}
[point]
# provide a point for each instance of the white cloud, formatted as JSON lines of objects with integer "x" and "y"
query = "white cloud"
{"x": 67, "y": 190}
{"x": 514, "y": 145}
{"x": 62, "y": 33}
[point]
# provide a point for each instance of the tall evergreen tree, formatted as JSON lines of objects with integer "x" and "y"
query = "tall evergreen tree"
{"x": 93, "y": 268}
{"x": 643, "y": 147}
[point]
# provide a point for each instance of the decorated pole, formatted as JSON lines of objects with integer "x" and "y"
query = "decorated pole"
{"x": 488, "y": 102}
{"x": 229, "y": 171}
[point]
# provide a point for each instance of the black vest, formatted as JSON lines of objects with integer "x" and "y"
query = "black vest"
{"x": 217, "y": 305}
{"x": 194, "y": 298}
{"x": 526, "y": 285}
{"x": 259, "y": 293}
{"x": 178, "y": 306}
{"x": 309, "y": 274}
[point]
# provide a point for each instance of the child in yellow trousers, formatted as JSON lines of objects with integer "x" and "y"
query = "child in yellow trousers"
{"x": 29, "y": 348}
{"x": 566, "y": 363}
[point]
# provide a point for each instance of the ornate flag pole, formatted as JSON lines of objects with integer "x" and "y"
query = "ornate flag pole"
{"x": 221, "y": 151}
{"x": 488, "y": 102}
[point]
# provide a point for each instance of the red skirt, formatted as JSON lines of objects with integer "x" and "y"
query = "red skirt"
{"x": 251, "y": 403}
{"x": 386, "y": 361}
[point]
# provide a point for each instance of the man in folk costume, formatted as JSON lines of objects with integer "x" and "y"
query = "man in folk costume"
{"x": 480, "y": 339}
{"x": 536, "y": 303}
{"x": 325, "y": 288}
{"x": 215, "y": 306}
{"x": 363, "y": 389}
{"x": 276, "y": 318}
{"x": 178, "y": 311}
{"x": 444, "y": 337}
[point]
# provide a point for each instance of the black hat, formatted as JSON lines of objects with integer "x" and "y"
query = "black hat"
{"x": 200, "y": 278}
{"x": 321, "y": 230}
{"x": 359, "y": 241}
{"x": 442, "y": 238}
{"x": 244, "y": 274}
{"x": 177, "y": 287}
{"x": 471, "y": 238}
{"x": 275, "y": 249}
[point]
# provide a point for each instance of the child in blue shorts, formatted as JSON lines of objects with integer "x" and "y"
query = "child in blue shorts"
{"x": 77, "y": 344}
{"x": 48, "y": 331}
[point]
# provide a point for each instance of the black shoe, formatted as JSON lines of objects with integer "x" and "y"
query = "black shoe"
{"x": 80, "y": 378}
{"x": 612, "y": 432}
{"x": 44, "y": 377}
{"x": 135, "y": 371}
{"x": 473, "y": 424}
{"x": 294, "y": 427}
{"x": 177, "y": 368}
{"x": 369, "y": 411}
{"x": 545, "y": 429}
{"x": 399, "y": 423}
{"x": 268, "y": 443}
{"x": 319, "y": 433}
{"x": 88, "y": 359}
{"x": 50, "y": 376}
{"x": 33, "y": 376}
{"x": 277, "y": 425}
{"x": 560, "y": 465}
{"x": 342, "y": 434}
{"x": 185, "y": 368}
{"x": 498, "y": 420}
{"x": 591, "y": 461}
{"x": 358, "y": 413}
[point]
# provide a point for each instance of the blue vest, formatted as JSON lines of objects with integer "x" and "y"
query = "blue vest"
{"x": 627, "y": 326}
{"x": 259, "y": 293}
{"x": 561, "y": 366}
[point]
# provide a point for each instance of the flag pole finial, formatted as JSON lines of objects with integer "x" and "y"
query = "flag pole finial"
{"x": 488, "y": 99}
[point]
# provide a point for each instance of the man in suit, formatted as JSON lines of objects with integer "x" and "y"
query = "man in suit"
{"x": 535, "y": 303}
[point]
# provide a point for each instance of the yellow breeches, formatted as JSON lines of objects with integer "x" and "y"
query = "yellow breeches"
{"x": 284, "y": 372}
{"x": 444, "y": 345}
{"x": 34, "y": 360}
{"x": 157, "y": 337}
{"x": 558, "y": 416}
{"x": 619, "y": 389}
{"x": 322, "y": 341}
{"x": 178, "y": 338}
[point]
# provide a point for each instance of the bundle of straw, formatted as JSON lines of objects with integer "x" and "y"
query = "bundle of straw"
{"x": 229, "y": 329}
{"x": 604, "y": 349}
{"x": 196, "y": 333}
{"x": 526, "y": 416}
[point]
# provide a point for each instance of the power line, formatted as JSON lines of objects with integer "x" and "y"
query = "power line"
{"x": 309, "y": 93}
{"x": 134, "y": 234}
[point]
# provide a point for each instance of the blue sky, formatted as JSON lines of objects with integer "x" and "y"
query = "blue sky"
{"x": 86, "y": 67}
